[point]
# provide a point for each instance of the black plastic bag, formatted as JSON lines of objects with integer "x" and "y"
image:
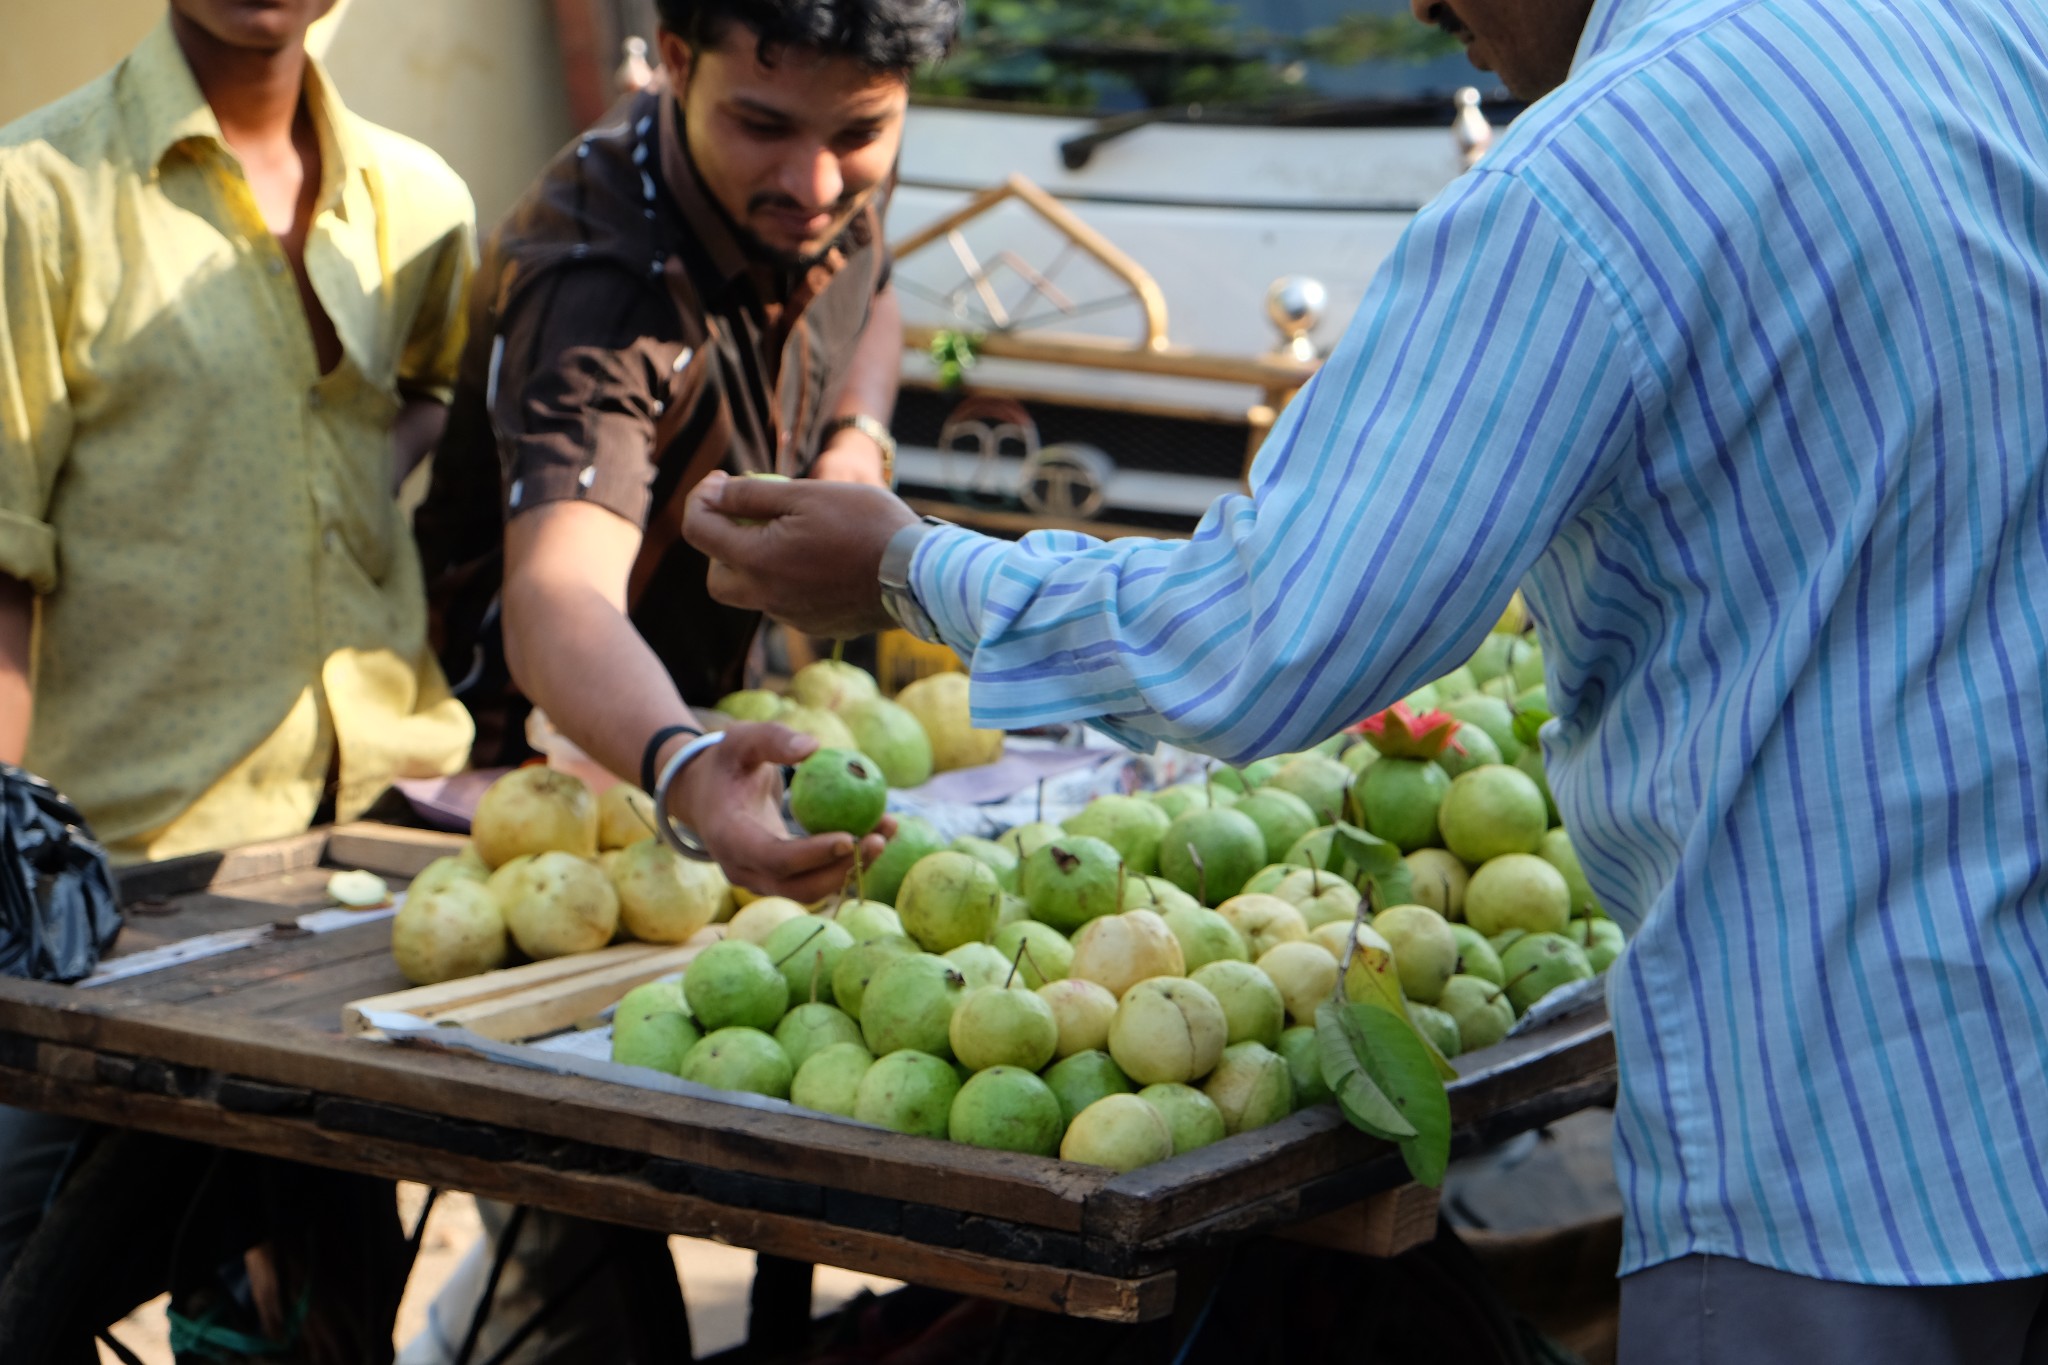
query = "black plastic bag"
{"x": 58, "y": 909}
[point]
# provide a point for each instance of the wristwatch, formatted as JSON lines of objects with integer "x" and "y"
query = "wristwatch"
{"x": 875, "y": 430}
{"x": 898, "y": 598}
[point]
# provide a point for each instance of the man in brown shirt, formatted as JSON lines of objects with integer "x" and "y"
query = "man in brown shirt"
{"x": 699, "y": 283}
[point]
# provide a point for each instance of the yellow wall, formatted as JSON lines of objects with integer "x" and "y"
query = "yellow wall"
{"x": 477, "y": 80}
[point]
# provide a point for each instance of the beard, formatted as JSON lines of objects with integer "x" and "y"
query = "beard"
{"x": 842, "y": 214}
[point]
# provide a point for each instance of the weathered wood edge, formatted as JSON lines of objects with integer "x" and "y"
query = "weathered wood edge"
{"x": 1023, "y": 1189}
{"x": 335, "y": 1133}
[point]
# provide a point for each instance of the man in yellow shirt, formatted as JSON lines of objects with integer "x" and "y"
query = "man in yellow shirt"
{"x": 221, "y": 297}
{"x": 230, "y": 315}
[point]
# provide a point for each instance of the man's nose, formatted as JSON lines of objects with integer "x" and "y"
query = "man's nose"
{"x": 1421, "y": 9}
{"x": 813, "y": 179}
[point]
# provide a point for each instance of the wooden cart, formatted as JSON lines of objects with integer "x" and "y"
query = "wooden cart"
{"x": 245, "y": 1049}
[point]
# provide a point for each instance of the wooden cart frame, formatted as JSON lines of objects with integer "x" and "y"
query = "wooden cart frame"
{"x": 244, "y": 1050}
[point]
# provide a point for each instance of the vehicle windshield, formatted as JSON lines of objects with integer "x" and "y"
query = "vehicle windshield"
{"x": 1109, "y": 57}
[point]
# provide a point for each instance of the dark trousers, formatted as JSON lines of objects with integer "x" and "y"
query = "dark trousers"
{"x": 1710, "y": 1310}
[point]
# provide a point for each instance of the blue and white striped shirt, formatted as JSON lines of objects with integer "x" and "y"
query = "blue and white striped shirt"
{"x": 1734, "y": 350}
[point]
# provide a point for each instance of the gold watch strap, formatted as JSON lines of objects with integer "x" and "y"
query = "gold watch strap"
{"x": 875, "y": 430}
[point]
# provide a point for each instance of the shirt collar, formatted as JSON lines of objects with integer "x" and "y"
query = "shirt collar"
{"x": 1609, "y": 23}
{"x": 165, "y": 109}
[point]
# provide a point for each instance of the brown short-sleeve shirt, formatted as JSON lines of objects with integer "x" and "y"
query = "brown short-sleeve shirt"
{"x": 625, "y": 343}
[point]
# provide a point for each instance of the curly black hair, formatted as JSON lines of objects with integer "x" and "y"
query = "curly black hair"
{"x": 888, "y": 35}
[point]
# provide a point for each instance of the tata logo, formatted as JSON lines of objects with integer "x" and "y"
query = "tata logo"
{"x": 1067, "y": 481}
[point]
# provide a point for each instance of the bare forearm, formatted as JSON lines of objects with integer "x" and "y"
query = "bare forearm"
{"x": 581, "y": 660}
{"x": 414, "y": 432}
{"x": 17, "y": 620}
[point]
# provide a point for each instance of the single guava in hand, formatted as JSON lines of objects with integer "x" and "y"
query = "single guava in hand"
{"x": 556, "y": 903}
{"x": 1492, "y": 810}
{"x": 1121, "y": 1132}
{"x": 663, "y": 896}
{"x": 1128, "y": 824}
{"x": 1253, "y": 1009}
{"x": 735, "y": 983}
{"x": 1518, "y": 891}
{"x": 1191, "y": 1116}
{"x": 1251, "y": 1086}
{"x": 1210, "y": 854}
{"x": 1007, "y": 1109}
{"x": 1083, "y": 1078}
{"x": 534, "y": 810}
{"x": 1306, "y": 975}
{"x": 914, "y": 838}
{"x": 892, "y": 737}
{"x": 806, "y": 950}
{"x": 453, "y": 932}
{"x": 829, "y": 1079}
{"x": 908, "y": 1091}
{"x": 1072, "y": 880}
{"x": 998, "y": 1027}
{"x": 1425, "y": 949}
{"x": 740, "y": 1059}
{"x": 1482, "y": 1010}
{"x": 838, "y": 791}
{"x": 1082, "y": 1010}
{"x": 809, "y": 1029}
{"x": 1305, "y": 1065}
{"x": 947, "y": 899}
{"x": 858, "y": 965}
{"x": 1167, "y": 1029}
{"x": 1118, "y": 951}
{"x": 909, "y": 1005}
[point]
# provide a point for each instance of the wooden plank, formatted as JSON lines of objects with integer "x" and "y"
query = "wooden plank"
{"x": 290, "y": 955}
{"x": 609, "y": 1198}
{"x": 1384, "y": 1225}
{"x": 561, "y": 1003}
{"x": 1028, "y": 1190}
{"x": 430, "y": 1002}
{"x": 199, "y": 871}
{"x": 388, "y": 850}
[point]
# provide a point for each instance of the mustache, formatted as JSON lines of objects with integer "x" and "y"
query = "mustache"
{"x": 782, "y": 203}
{"x": 1446, "y": 18}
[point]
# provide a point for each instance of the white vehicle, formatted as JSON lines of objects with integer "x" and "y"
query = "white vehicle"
{"x": 1141, "y": 287}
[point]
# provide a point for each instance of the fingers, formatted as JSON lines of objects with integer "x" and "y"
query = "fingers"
{"x": 706, "y": 525}
{"x": 751, "y": 745}
{"x": 753, "y": 499}
{"x": 735, "y": 589}
{"x": 804, "y": 870}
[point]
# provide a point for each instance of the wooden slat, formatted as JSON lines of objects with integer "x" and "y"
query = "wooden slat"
{"x": 1384, "y": 1225}
{"x": 1022, "y": 1189}
{"x": 430, "y": 1002}
{"x": 388, "y": 850}
{"x": 609, "y": 1198}
{"x": 199, "y": 871}
{"x": 559, "y": 1004}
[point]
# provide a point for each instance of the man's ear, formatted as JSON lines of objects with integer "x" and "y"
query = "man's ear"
{"x": 675, "y": 55}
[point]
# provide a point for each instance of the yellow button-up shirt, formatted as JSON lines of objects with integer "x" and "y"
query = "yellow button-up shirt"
{"x": 229, "y": 597}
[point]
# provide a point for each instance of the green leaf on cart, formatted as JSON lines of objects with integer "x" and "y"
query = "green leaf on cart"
{"x": 1341, "y": 1045}
{"x": 1370, "y": 980}
{"x": 1397, "y": 1060}
{"x": 1529, "y": 724}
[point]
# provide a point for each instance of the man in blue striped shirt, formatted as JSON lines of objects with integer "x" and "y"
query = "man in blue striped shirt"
{"x": 1735, "y": 352}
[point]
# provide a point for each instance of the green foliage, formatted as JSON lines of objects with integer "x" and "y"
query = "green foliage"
{"x": 1156, "y": 53}
{"x": 1387, "y": 1084}
{"x": 955, "y": 353}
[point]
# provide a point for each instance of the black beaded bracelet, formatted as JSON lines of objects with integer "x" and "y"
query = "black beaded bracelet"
{"x": 653, "y": 751}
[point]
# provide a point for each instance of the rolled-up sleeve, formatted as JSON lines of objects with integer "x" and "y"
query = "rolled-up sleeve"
{"x": 35, "y": 410}
{"x": 1476, "y": 403}
{"x": 581, "y": 371}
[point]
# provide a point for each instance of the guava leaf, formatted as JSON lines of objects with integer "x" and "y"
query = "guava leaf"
{"x": 1341, "y": 1046}
{"x": 1365, "y": 983}
{"x": 1398, "y": 1061}
{"x": 1378, "y": 864}
{"x": 1528, "y": 724}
